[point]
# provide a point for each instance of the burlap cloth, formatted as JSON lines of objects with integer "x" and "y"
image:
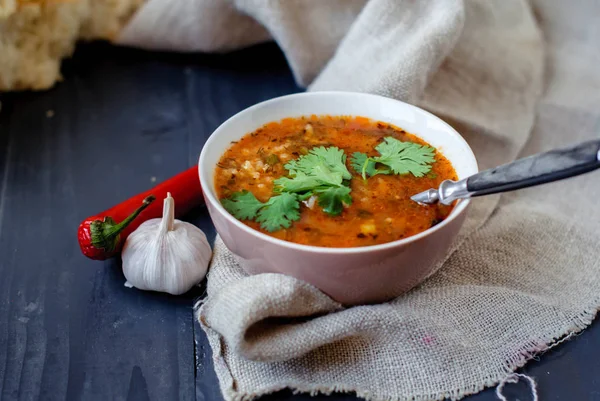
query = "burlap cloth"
{"x": 514, "y": 78}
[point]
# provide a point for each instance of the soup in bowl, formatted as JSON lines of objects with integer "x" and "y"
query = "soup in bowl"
{"x": 317, "y": 186}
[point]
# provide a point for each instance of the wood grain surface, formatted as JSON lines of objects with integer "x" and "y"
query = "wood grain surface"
{"x": 121, "y": 121}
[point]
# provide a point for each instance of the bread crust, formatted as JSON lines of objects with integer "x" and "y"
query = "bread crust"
{"x": 36, "y": 35}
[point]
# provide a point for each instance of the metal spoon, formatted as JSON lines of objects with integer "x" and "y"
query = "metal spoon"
{"x": 527, "y": 172}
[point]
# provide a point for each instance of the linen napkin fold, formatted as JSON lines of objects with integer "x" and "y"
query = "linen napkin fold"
{"x": 525, "y": 271}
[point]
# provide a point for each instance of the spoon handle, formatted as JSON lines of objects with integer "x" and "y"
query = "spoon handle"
{"x": 533, "y": 170}
{"x": 537, "y": 169}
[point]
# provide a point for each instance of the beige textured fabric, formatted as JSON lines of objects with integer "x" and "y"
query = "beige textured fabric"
{"x": 526, "y": 271}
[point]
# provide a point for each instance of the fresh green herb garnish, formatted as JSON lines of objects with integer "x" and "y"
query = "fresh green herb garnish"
{"x": 321, "y": 162}
{"x": 322, "y": 173}
{"x": 332, "y": 199}
{"x": 299, "y": 183}
{"x": 278, "y": 212}
{"x": 397, "y": 157}
{"x": 362, "y": 164}
{"x": 242, "y": 205}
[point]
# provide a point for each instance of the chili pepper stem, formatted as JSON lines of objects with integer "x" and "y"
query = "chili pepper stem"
{"x": 105, "y": 234}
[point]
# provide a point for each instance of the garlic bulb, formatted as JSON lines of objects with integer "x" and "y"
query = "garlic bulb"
{"x": 166, "y": 255}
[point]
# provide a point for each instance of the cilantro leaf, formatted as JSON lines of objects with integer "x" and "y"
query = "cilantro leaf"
{"x": 327, "y": 176}
{"x": 330, "y": 159}
{"x": 398, "y": 157}
{"x": 294, "y": 167}
{"x": 305, "y": 196}
{"x": 405, "y": 157}
{"x": 332, "y": 199}
{"x": 322, "y": 171}
{"x": 242, "y": 205}
{"x": 358, "y": 162}
{"x": 309, "y": 175}
{"x": 334, "y": 158}
{"x": 279, "y": 212}
{"x": 299, "y": 183}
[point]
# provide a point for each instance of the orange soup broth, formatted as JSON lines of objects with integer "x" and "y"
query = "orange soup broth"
{"x": 381, "y": 209}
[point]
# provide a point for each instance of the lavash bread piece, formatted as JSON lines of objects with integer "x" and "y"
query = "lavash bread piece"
{"x": 36, "y": 35}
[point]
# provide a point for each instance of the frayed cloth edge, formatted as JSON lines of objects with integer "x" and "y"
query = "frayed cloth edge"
{"x": 530, "y": 350}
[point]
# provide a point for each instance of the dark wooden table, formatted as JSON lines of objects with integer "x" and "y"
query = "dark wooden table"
{"x": 121, "y": 120}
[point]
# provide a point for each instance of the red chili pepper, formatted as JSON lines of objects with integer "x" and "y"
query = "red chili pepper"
{"x": 101, "y": 237}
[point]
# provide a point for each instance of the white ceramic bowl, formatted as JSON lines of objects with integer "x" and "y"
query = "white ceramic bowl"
{"x": 349, "y": 275}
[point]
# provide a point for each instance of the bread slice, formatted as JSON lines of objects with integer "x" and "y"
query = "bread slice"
{"x": 36, "y": 35}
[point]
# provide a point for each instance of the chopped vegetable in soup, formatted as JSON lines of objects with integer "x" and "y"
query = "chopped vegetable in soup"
{"x": 332, "y": 181}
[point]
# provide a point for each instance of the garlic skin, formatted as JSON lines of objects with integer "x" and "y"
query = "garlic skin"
{"x": 166, "y": 255}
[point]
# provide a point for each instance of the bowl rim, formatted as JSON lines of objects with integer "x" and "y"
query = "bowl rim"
{"x": 209, "y": 195}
